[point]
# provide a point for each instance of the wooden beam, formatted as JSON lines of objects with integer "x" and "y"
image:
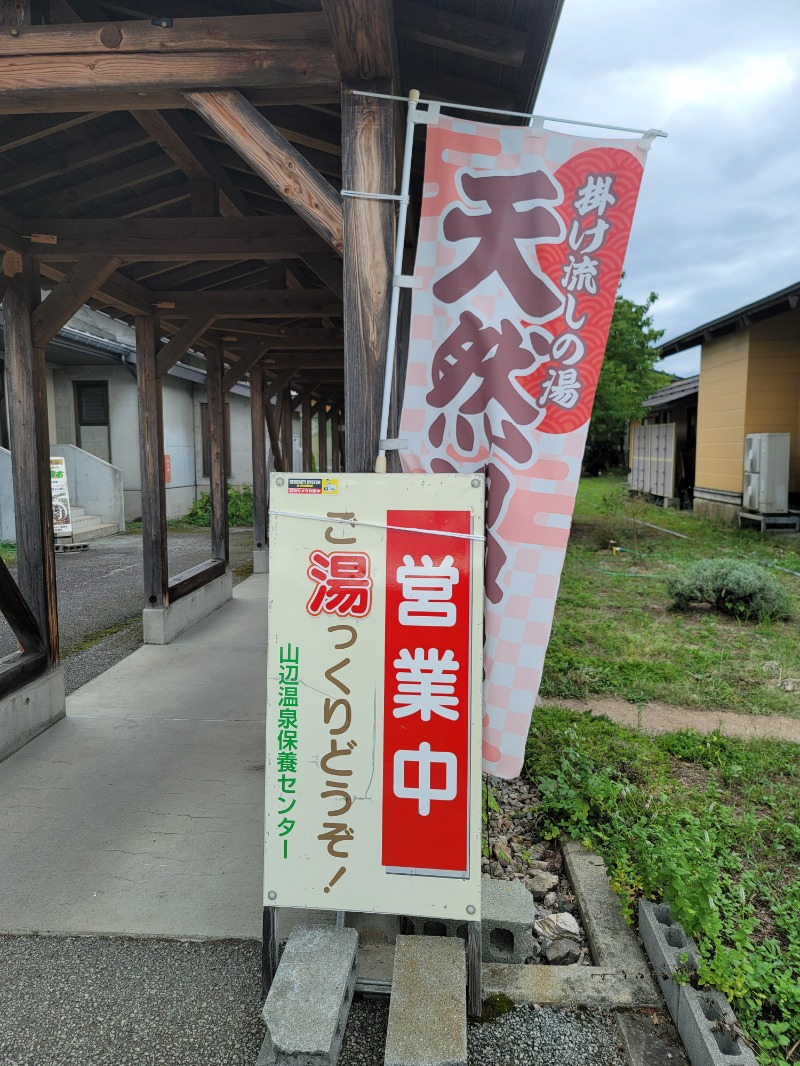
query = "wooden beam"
{"x": 438, "y": 85}
{"x": 336, "y": 464}
{"x": 306, "y": 340}
{"x": 362, "y": 32}
{"x": 367, "y": 163}
{"x": 267, "y": 303}
{"x": 17, "y": 132}
{"x": 537, "y": 20}
{"x": 166, "y": 240}
{"x": 259, "y": 455}
{"x": 69, "y": 296}
{"x": 194, "y": 578}
{"x": 18, "y": 614}
{"x": 26, "y": 398}
{"x": 188, "y": 152}
{"x": 219, "y": 474}
{"x": 151, "y": 438}
{"x": 176, "y": 192}
{"x": 18, "y": 670}
{"x": 287, "y": 436}
{"x": 236, "y": 371}
{"x": 274, "y": 159}
{"x": 117, "y": 291}
{"x": 303, "y": 396}
{"x": 15, "y": 13}
{"x": 477, "y": 38}
{"x": 273, "y": 387}
{"x": 178, "y": 345}
{"x": 43, "y": 61}
{"x": 67, "y": 203}
{"x": 274, "y": 435}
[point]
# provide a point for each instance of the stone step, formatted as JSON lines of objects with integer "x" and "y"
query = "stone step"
{"x": 428, "y": 1008}
{"x": 77, "y": 512}
{"x": 93, "y": 531}
{"x": 307, "y": 1006}
{"x": 84, "y": 520}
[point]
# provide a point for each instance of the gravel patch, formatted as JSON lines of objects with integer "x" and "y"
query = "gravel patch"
{"x": 92, "y": 1001}
{"x": 526, "y": 1036}
{"x": 517, "y": 853}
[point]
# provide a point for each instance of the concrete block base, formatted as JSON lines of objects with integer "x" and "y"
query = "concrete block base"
{"x": 307, "y": 1006}
{"x": 260, "y": 561}
{"x": 428, "y": 1009}
{"x": 507, "y": 915}
{"x": 704, "y": 1020}
{"x": 162, "y": 625}
{"x": 30, "y": 710}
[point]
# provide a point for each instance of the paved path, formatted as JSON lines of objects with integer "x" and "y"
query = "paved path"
{"x": 660, "y": 718}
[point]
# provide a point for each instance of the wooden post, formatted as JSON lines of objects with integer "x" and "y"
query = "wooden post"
{"x": 15, "y": 12}
{"x": 260, "y": 483}
{"x": 367, "y": 166}
{"x": 151, "y": 442}
{"x": 334, "y": 419}
{"x": 322, "y": 436}
{"x": 274, "y": 434}
{"x": 287, "y": 446}
{"x": 306, "y": 431}
{"x": 215, "y": 368}
{"x": 29, "y": 438}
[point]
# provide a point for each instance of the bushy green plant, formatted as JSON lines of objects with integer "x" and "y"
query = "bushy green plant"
{"x": 733, "y": 587}
{"x": 240, "y": 508}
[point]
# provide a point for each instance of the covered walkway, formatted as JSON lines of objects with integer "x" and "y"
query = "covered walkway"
{"x": 141, "y": 812}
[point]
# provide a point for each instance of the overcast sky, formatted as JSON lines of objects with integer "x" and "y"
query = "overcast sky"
{"x": 718, "y": 221}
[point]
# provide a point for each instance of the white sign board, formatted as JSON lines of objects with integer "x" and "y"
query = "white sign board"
{"x": 62, "y": 516}
{"x": 373, "y": 778}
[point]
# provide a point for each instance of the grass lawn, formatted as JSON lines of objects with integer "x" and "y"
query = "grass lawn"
{"x": 614, "y": 633}
{"x": 709, "y": 824}
{"x": 8, "y": 551}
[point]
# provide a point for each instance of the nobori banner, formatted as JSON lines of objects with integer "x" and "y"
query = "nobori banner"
{"x": 522, "y": 238}
{"x": 373, "y": 776}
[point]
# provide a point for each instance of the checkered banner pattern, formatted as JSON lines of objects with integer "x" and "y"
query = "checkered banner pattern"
{"x": 522, "y": 239}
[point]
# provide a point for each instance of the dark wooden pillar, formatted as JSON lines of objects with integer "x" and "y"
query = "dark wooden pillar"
{"x": 260, "y": 482}
{"x": 306, "y": 434}
{"x": 287, "y": 442}
{"x": 29, "y": 439}
{"x": 322, "y": 435}
{"x": 15, "y": 12}
{"x": 151, "y": 438}
{"x": 215, "y": 369}
{"x": 367, "y": 166}
{"x": 334, "y": 419}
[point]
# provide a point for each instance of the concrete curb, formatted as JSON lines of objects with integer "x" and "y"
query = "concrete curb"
{"x": 30, "y": 710}
{"x": 704, "y": 1020}
{"x": 570, "y": 986}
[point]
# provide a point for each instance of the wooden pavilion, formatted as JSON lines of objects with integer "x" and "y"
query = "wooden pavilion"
{"x": 179, "y": 163}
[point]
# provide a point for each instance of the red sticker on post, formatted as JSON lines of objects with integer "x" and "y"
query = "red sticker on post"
{"x": 427, "y": 739}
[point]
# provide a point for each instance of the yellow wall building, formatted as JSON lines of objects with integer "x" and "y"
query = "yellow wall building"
{"x": 749, "y": 383}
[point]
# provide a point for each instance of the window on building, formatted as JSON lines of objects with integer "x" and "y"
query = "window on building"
{"x": 91, "y": 418}
{"x": 206, "y": 435}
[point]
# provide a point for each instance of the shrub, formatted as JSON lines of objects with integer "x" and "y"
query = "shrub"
{"x": 741, "y": 589}
{"x": 240, "y": 508}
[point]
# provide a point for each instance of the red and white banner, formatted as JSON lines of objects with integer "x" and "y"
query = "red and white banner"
{"x": 522, "y": 239}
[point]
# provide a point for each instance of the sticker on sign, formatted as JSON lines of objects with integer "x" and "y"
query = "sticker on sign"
{"x": 313, "y": 486}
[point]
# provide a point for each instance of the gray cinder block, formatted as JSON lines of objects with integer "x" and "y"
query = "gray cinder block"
{"x": 704, "y": 1020}
{"x": 307, "y": 1006}
{"x": 507, "y": 915}
{"x": 428, "y": 1009}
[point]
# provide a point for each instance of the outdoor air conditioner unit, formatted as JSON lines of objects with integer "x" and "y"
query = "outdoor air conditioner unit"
{"x": 766, "y": 473}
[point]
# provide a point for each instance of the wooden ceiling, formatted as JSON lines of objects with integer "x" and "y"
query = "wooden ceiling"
{"x": 119, "y": 175}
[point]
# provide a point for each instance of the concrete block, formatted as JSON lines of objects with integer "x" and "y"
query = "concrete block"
{"x": 428, "y": 1009}
{"x": 307, "y": 1006}
{"x": 260, "y": 561}
{"x": 704, "y": 1019}
{"x": 162, "y": 625}
{"x": 507, "y": 915}
{"x": 30, "y": 710}
{"x": 570, "y": 986}
{"x": 612, "y": 942}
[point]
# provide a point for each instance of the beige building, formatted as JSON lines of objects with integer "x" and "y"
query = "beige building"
{"x": 749, "y": 383}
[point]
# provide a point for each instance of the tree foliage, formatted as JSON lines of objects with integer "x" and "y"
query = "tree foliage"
{"x": 626, "y": 380}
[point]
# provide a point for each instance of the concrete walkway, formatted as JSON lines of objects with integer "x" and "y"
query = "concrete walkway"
{"x": 661, "y": 718}
{"x": 141, "y": 812}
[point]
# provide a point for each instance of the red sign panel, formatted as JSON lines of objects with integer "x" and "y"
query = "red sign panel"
{"x": 426, "y": 693}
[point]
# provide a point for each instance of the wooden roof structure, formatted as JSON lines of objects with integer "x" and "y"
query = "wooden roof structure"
{"x": 179, "y": 163}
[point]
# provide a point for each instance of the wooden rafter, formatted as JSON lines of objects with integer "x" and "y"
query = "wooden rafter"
{"x": 478, "y": 38}
{"x": 177, "y": 346}
{"x": 236, "y": 371}
{"x": 188, "y": 152}
{"x": 116, "y": 291}
{"x": 68, "y": 297}
{"x": 68, "y": 203}
{"x": 274, "y": 159}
